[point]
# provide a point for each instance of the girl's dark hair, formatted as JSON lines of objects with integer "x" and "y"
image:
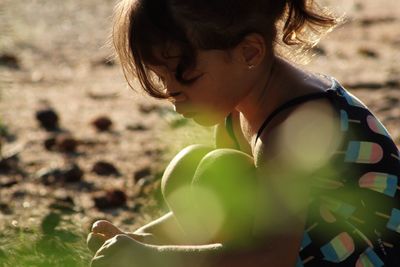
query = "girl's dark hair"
{"x": 143, "y": 26}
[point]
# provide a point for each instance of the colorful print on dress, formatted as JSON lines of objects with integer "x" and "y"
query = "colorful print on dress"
{"x": 394, "y": 220}
{"x": 338, "y": 207}
{"x": 396, "y": 156}
{"x": 326, "y": 214}
{"x": 376, "y": 126}
{"x": 326, "y": 183}
{"x": 306, "y": 241}
{"x": 351, "y": 99}
{"x": 360, "y": 234}
{"x": 299, "y": 262}
{"x": 380, "y": 182}
{"x": 369, "y": 259}
{"x": 345, "y": 121}
{"x": 339, "y": 248}
{"x": 363, "y": 152}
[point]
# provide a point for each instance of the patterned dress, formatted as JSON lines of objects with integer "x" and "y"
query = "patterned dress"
{"x": 354, "y": 215}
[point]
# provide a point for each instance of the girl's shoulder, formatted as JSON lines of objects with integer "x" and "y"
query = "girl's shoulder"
{"x": 305, "y": 136}
{"x": 300, "y": 138}
{"x": 296, "y": 143}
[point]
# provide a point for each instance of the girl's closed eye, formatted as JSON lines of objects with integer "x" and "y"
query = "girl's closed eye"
{"x": 186, "y": 76}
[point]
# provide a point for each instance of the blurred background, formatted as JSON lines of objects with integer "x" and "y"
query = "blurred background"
{"x": 78, "y": 145}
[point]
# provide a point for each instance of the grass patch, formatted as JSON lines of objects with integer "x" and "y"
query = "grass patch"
{"x": 57, "y": 242}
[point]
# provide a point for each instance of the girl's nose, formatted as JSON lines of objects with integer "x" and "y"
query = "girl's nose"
{"x": 175, "y": 96}
{"x": 179, "y": 98}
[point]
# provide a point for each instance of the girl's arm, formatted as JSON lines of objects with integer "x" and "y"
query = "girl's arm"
{"x": 162, "y": 231}
{"x": 166, "y": 229}
{"x": 285, "y": 158}
{"x": 122, "y": 251}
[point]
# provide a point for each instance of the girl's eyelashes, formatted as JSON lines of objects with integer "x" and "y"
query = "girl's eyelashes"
{"x": 189, "y": 81}
{"x": 180, "y": 76}
{"x": 174, "y": 94}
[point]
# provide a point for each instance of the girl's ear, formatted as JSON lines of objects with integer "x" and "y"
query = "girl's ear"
{"x": 251, "y": 50}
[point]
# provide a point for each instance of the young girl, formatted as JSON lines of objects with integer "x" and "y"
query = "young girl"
{"x": 302, "y": 174}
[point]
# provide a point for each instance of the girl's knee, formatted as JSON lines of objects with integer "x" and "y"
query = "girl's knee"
{"x": 228, "y": 177}
{"x": 225, "y": 166}
{"x": 182, "y": 167}
{"x": 231, "y": 176}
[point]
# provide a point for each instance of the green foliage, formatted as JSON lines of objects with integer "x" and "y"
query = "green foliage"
{"x": 181, "y": 137}
{"x": 53, "y": 244}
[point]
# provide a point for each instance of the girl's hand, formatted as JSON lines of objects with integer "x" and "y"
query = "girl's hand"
{"x": 106, "y": 228}
{"x": 114, "y": 252}
{"x": 123, "y": 251}
{"x": 102, "y": 230}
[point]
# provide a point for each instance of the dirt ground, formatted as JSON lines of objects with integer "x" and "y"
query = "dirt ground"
{"x": 61, "y": 61}
{"x": 54, "y": 54}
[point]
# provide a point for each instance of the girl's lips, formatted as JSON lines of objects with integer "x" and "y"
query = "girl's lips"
{"x": 189, "y": 114}
{"x": 182, "y": 106}
{"x": 178, "y": 97}
{"x": 183, "y": 112}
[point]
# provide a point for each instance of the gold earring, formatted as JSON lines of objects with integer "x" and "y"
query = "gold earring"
{"x": 250, "y": 67}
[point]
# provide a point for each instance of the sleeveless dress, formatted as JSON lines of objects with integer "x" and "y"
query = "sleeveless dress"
{"x": 354, "y": 215}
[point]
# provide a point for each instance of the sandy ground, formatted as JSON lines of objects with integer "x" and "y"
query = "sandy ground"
{"x": 60, "y": 60}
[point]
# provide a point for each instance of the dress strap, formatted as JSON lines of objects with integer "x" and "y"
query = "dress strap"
{"x": 290, "y": 103}
{"x": 229, "y": 129}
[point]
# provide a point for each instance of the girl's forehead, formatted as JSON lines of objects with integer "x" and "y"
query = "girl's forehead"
{"x": 162, "y": 60}
{"x": 164, "y": 56}
{"x": 166, "y": 52}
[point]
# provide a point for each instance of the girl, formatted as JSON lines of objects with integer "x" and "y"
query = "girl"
{"x": 303, "y": 174}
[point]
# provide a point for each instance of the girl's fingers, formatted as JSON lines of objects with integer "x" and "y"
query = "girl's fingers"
{"x": 106, "y": 228}
{"x": 144, "y": 238}
{"x": 95, "y": 241}
{"x": 114, "y": 244}
{"x": 123, "y": 251}
{"x": 100, "y": 261}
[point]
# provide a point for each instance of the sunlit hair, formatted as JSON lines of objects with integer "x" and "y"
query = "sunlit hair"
{"x": 142, "y": 27}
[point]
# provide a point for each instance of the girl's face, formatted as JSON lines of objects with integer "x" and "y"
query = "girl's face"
{"x": 217, "y": 86}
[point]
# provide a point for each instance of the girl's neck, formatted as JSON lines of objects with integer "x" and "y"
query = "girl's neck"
{"x": 278, "y": 82}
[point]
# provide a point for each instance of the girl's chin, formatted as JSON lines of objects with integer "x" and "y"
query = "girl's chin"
{"x": 207, "y": 120}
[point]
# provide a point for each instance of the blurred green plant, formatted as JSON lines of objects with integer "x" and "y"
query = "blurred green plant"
{"x": 57, "y": 242}
{"x": 182, "y": 133}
